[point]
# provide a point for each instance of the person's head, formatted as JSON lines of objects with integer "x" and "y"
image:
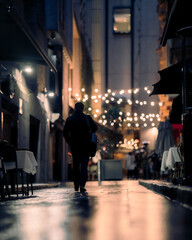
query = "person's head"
{"x": 79, "y": 106}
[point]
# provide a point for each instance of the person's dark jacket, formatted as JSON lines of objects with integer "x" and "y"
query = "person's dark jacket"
{"x": 76, "y": 132}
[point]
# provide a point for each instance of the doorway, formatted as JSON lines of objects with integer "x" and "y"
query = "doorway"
{"x": 9, "y": 118}
{"x": 34, "y": 135}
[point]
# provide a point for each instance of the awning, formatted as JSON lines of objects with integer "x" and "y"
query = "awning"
{"x": 17, "y": 42}
{"x": 170, "y": 81}
{"x": 179, "y": 17}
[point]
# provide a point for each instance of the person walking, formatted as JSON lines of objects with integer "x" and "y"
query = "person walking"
{"x": 130, "y": 165}
{"x": 77, "y": 134}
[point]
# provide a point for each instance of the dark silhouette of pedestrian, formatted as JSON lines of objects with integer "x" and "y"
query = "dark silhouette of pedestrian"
{"x": 77, "y": 134}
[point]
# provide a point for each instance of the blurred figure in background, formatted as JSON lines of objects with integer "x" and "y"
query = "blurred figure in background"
{"x": 93, "y": 166}
{"x": 130, "y": 165}
{"x": 155, "y": 165}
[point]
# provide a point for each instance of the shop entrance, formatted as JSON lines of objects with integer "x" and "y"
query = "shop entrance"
{"x": 9, "y": 117}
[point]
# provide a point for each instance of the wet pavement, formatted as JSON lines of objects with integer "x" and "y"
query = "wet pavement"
{"x": 113, "y": 211}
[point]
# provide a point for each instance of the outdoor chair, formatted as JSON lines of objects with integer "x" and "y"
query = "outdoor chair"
{"x": 179, "y": 167}
{"x": 3, "y": 181}
{"x": 8, "y": 153}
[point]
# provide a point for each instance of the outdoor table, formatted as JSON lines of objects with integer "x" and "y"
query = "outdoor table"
{"x": 163, "y": 162}
{"x": 172, "y": 158}
{"x": 26, "y": 161}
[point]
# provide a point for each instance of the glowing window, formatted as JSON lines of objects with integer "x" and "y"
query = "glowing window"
{"x": 122, "y": 20}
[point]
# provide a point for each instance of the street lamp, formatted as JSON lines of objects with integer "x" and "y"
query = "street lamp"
{"x": 27, "y": 69}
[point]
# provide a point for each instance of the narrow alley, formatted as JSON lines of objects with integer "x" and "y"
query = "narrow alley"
{"x": 113, "y": 211}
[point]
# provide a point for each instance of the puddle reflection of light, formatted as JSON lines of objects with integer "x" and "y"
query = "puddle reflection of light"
{"x": 135, "y": 218}
{"x": 43, "y": 222}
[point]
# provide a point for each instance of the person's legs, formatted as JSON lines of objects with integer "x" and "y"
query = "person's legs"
{"x": 76, "y": 172}
{"x": 84, "y": 164}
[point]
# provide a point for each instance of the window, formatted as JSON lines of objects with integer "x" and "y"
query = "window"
{"x": 122, "y": 20}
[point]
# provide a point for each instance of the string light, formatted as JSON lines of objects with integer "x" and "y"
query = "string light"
{"x": 110, "y": 97}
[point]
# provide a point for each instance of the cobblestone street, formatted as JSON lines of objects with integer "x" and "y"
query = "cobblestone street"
{"x": 113, "y": 211}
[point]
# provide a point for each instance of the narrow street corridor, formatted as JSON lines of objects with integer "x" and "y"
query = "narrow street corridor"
{"x": 119, "y": 210}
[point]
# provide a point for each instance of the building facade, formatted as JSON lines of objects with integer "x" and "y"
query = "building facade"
{"x": 122, "y": 38}
{"x": 36, "y": 72}
{"x": 25, "y": 78}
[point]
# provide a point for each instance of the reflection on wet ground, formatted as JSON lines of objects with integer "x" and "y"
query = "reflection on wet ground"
{"x": 113, "y": 211}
